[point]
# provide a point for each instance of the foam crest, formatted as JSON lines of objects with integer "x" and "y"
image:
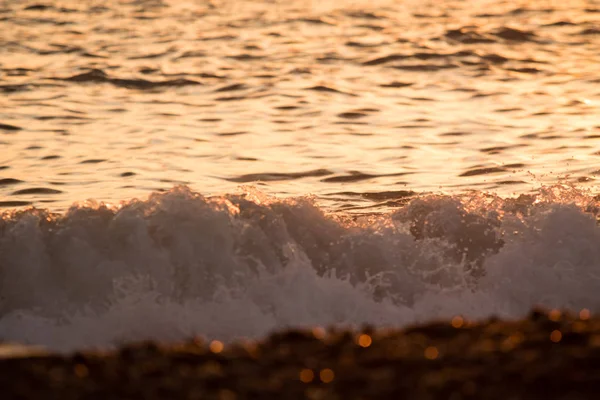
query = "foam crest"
{"x": 180, "y": 264}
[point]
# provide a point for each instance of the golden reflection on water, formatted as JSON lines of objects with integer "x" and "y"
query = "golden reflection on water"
{"x": 113, "y": 99}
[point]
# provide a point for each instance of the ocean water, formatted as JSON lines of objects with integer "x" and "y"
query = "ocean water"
{"x": 228, "y": 168}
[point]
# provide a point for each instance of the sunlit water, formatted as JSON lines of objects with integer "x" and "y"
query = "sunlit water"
{"x": 347, "y": 118}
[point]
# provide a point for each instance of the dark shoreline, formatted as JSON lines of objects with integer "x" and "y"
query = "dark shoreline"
{"x": 544, "y": 356}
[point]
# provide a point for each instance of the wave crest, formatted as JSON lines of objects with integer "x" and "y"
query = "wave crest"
{"x": 180, "y": 264}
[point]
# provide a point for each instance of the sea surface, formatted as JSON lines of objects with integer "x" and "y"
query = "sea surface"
{"x": 226, "y": 168}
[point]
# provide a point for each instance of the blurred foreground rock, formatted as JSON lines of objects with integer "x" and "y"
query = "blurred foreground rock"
{"x": 545, "y": 356}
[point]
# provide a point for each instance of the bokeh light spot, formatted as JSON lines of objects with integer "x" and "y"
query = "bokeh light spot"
{"x": 307, "y": 375}
{"x": 326, "y": 375}
{"x": 556, "y": 336}
{"x": 364, "y": 340}
{"x": 216, "y": 346}
{"x": 431, "y": 353}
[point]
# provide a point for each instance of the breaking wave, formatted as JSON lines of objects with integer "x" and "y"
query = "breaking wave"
{"x": 180, "y": 264}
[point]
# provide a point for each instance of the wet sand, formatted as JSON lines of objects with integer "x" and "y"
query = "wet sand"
{"x": 543, "y": 356}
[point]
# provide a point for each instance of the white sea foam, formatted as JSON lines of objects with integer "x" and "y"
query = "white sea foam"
{"x": 179, "y": 264}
